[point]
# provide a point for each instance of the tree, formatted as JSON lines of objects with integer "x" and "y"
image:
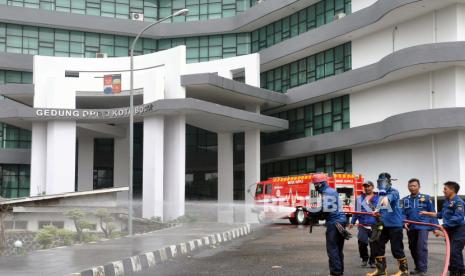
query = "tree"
{"x": 105, "y": 221}
{"x": 79, "y": 223}
{"x": 5, "y": 211}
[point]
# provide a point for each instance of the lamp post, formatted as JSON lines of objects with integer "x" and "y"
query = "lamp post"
{"x": 131, "y": 114}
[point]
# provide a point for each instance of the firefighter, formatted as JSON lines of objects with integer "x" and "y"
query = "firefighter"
{"x": 418, "y": 234}
{"x": 453, "y": 216}
{"x": 366, "y": 202}
{"x": 335, "y": 223}
{"x": 389, "y": 228}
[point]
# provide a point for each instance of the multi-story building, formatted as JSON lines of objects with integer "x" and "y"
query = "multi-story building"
{"x": 366, "y": 86}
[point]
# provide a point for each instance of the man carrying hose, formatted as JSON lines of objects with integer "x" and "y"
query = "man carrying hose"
{"x": 335, "y": 223}
{"x": 453, "y": 216}
{"x": 412, "y": 205}
{"x": 389, "y": 228}
{"x": 366, "y": 202}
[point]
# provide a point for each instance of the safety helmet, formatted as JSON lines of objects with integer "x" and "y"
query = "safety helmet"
{"x": 319, "y": 177}
{"x": 384, "y": 183}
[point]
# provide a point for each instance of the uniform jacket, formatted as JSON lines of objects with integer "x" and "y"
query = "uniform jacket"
{"x": 452, "y": 212}
{"x": 332, "y": 205}
{"x": 391, "y": 215}
{"x": 364, "y": 206}
{"x": 412, "y": 205}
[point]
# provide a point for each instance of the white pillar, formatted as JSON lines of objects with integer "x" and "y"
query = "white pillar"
{"x": 61, "y": 157}
{"x": 38, "y": 158}
{"x": 85, "y": 163}
{"x": 225, "y": 177}
{"x": 175, "y": 167}
{"x": 153, "y": 157}
{"x": 251, "y": 169}
{"x": 121, "y": 165}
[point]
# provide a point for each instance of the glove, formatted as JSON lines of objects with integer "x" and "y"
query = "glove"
{"x": 346, "y": 234}
{"x": 376, "y": 232}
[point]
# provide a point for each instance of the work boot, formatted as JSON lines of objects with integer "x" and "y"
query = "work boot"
{"x": 381, "y": 269}
{"x": 455, "y": 273}
{"x": 403, "y": 268}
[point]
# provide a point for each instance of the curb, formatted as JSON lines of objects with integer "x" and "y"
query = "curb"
{"x": 148, "y": 260}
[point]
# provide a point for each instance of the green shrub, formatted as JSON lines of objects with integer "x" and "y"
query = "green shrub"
{"x": 184, "y": 219}
{"x": 116, "y": 234}
{"x": 67, "y": 237}
{"x": 46, "y": 236}
{"x": 89, "y": 237}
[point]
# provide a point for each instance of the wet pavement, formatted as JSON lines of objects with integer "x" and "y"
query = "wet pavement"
{"x": 63, "y": 261}
{"x": 282, "y": 249}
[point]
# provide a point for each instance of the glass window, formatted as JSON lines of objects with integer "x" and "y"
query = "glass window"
{"x": 14, "y": 180}
{"x": 330, "y": 115}
{"x": 340, "y": 161}
{"x": 307, "y": 70}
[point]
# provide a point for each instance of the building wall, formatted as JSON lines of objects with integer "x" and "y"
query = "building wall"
{"x": 377, "y": 103}
{"x": 443, "y": 25}
{"x": 402, "y": 159}
{"x": 361, "y": 4}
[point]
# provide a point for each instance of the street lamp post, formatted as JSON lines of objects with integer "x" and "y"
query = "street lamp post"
{"x": 131, "y": 114}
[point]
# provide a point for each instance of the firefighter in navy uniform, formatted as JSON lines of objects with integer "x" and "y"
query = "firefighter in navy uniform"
{"x": 453, "y": 215}
{"x": 335, "y": 223}
{"x": 418, "y": 234}
{"x": 389, "y": 228}
{"x": 366, "y": 202}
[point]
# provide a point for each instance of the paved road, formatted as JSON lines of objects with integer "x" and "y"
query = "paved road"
{"x": 291, "y": 249}
{"x": 63, "y": 261}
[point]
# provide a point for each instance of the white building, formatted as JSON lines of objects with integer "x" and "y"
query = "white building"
{"x": 364, "y": 86}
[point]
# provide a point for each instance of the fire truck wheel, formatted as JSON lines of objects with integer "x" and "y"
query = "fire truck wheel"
{"x": 300, "y": 217}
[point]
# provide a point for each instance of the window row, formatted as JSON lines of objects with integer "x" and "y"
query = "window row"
{"x": 322, "y": 117}
{"x": 200, "y": 140}
{"x": 13, "y": 137}
{"x": 151, "y": 9}
{"x": 14, "y": 180}
{"x": 7, "y": 76}
{"x": 300, "y": 22}
{"x": 212, "y": 47}
{"x": 321, "y": 65}
{"x": 56, "y": 42}
{"x": 340, "y": 161}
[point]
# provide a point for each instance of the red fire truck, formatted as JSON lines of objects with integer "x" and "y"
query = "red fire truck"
{"x": 286, "y": 197}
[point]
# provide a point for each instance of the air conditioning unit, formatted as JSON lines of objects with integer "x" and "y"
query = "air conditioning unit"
{"x": 101, "y": 55}
{"x": 339, "y": 16}
{"x": 137, "y": 16}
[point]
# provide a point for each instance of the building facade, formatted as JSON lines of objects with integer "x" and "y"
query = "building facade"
{"x": 362, "y": 86}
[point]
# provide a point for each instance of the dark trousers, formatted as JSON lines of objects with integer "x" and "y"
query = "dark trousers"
{"x": 418, "y": 245}
{"x": 334, "y": 249}
{"x": 363, "y": 242}
{"x": 457, "y": 243}
{"x": 393, "y": 235}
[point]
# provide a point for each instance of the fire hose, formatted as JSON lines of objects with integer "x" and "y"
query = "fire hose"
{"x": 446, "y": 236}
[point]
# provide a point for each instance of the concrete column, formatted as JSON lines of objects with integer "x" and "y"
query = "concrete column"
{"x": 152, "y": 190}
{"x": 38, "y": 158}
{"x": 251, "y": 169}
{"x": 85, "y": 163}
{"x": 175, "y": 167}
{"x": 121, "y": 165}
{"x": 61, "y": 157}
{"x": 225, "y": 177}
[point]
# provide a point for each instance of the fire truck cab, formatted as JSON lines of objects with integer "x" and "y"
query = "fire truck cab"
{"x": 287, "y": 197}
